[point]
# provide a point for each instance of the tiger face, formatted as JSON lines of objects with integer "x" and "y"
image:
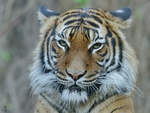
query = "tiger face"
{"x": 82, "y": 53}
{"x": 78, "y": 57}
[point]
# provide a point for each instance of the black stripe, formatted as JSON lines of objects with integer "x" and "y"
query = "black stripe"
{"x": 86, "y": 36}
{"x": 93, "y": 24}
{"x": 99, "y": 64}
{"x": 44, "y": 69}
{"x": 47, "y": 70}
{"x": 96, "y": 38}
{"x": 61, "y": 78}
{"x": 70, "y": 27}
{"x": 54, "y": 50}
{"x": 69, "y": 16}
{"x": 53, "y": 30}
{"x": 93, "y": 106}
{"x": 97, "y": 13}
{"x": 60, "y": 87}
{"x": 61, "y": 73}
{"x": 97, "y": 19}
{"x": 100, "y": 101}
{"x": 109, "y": 34}
{"x": 68, "y": 13}
{"x": 84, "y": 15}
{"x": 42, "y": 53}
{"x": 46, "y": 34}
{"x": 120, "y": 48}
{"x": 72, "y": 21}
{"x": 55, "y": 63}
{"x": 101, "y": 60}
{"x": 48, "y": 42}
{"x": 118, "y": 108}
{"x": 51, "y": 104}
{"x": 86, "y": 28}
{"x": 91, "y": 90}
{"x": 113, "y": 44}
{"x": 72, "y": 33}
{"x": 104, "y": 54}
{"x": 80, "y": 14}
{"x": 120, "y": 43}
{"x": 86, "y": 33}
{"x": 89, "y": 76}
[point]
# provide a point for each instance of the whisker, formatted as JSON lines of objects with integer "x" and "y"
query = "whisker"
{"x": 139, "y": 91}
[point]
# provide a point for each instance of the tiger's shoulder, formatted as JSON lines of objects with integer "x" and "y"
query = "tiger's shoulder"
{"x": 42, "y": 106}
{"x": 115, "y": 104}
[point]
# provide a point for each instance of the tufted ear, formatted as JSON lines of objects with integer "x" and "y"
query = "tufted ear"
{"x": 121, "y": 17}
{"x": 45, "y": 14}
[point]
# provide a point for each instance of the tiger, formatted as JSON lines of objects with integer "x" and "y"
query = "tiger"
{"x": 83, "y": 63}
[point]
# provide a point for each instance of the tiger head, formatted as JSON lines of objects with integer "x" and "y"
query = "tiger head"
{"x": 82, "y": 53}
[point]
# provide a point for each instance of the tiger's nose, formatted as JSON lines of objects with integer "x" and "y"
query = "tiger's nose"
{"x": 75, "y": 75}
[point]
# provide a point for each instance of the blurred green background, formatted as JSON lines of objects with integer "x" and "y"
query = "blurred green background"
{"x": 19, "y": 34}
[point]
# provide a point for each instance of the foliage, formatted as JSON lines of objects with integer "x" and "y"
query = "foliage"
{"x": 81, "y": 3}
{"x": 5, "y": 55}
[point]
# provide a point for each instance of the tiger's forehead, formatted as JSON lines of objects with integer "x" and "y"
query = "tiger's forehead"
{"x": 84, "y": 12}
{"x": 89, "y": 16}
{"x": 89, "y": 34}
{"x": 89, "y": 20}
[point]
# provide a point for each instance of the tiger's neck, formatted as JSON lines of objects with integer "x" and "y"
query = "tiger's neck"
{"x": 93, "y": 105}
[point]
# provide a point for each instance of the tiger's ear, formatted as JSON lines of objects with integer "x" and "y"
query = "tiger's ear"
{"x": 45, "y": 14}
{"x": 121, "y": 17}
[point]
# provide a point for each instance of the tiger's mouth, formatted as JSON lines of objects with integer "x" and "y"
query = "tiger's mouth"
{"x": 89, "y": 87}
{"x": 75, "y": 88}
{"x": 72, "y": 88}
{"x": 76, "y": 93}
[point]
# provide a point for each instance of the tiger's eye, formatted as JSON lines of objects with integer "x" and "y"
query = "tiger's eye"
{"x": 96, "y": 46}
{"x": 62, "y": 43}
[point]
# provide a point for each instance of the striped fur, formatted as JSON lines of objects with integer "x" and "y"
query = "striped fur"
{"x": 82, "y": 57}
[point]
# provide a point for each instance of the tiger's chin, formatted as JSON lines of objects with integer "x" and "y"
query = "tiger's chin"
{"x": 74, "y": 96}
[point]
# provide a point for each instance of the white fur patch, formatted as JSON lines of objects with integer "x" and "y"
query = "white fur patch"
{"x": 74, "y": 96}
{"x": 119, "y": 80}
{"x": 40, "y": 82}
